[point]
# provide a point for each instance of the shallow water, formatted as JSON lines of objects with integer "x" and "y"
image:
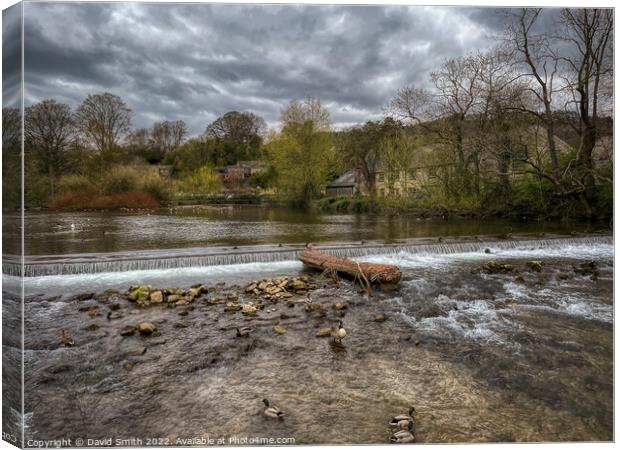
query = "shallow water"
{"x": 498, "y": 358}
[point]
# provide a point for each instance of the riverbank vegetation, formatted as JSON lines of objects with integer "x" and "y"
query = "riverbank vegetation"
{"x": 524, "y": 129}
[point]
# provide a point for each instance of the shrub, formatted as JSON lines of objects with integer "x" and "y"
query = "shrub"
{"x": 76, "y": 183}
{"x": 121, "y": 179}
{"x": 80, "y": 200}
{"x": 202, "y": 181}
{"x": 154, "y": 184}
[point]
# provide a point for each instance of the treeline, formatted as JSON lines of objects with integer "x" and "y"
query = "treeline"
{"x": 92, "y": 158}
{"x": 522, "y": 129}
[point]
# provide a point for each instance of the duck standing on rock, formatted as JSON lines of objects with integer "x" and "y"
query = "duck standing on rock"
{"x": 272, "y": 411}
{"x": 402, "y": 420}
{"x": 404, "y": 436}
{"x": 339, "y": 333}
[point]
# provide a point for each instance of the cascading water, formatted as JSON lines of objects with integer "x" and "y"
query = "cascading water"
{"x": 76, "y": 264}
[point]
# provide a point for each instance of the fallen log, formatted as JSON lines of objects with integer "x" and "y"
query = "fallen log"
{"x": 369, "y": 272}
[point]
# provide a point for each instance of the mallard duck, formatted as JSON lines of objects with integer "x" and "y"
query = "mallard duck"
{"x": 243, "y": 332}
{"x": 402, "y": 420}
{"x": 404, "y": 436}
{"x": 272, "y": 411}
{"x": 339, "y": 333}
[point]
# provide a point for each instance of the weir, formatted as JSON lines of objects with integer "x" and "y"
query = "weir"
{"x": 88, "y": 263}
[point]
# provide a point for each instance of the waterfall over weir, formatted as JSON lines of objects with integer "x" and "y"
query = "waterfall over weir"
{"x": 89, "y": 263}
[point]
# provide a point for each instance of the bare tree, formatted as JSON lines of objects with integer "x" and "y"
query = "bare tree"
{"x": 590, "y": 31}
{"x": 49, "y": 131}
{"x": 103, "y": 119}
{"x": 308, "y": 110}
{"x": 538, "y": 62}
{"x": 168, "y": 135}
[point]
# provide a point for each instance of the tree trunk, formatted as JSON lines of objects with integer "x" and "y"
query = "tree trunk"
{"x": 374, "y": 273}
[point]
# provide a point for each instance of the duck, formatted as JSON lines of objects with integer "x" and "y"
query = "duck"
{"x": 272, "y": 411}
{"x": 243, "y": 331}
{"x": 404, "y": 436}
{"x": 339, "y": 333}
{"x": 402, "y": 420}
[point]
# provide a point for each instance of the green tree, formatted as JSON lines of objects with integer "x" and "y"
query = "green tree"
{"x": 304, "y": 158}
{"x": 397, "y": 151}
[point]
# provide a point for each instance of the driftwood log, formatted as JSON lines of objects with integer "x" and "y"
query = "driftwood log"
{"x": 368, "y": 272}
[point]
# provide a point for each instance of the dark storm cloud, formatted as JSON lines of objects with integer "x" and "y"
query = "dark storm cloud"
{"x": 197, "y": 61}
{"x": 11, "y": 56}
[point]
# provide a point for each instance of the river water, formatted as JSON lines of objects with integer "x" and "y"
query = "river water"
{"x": 519, "y": 356}
{"x": 89, "y": 232}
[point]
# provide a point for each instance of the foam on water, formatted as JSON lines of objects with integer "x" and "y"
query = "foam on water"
{"x": 96, "y": 282}
{"x": 585, "y": 251}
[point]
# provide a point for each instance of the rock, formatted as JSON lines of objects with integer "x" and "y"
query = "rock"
{"x": 183, "y": 313}
{"x": 146, "y": 328}
{"x": 92, "y": 327}
{"x": 66, "y": 339}
{"x": 204, "y": 289}
{"x": 262, "y": 285}
{"x": 588, "y": 268}
{"x": 128, "y": 366}
{"x": 323, "y": 332}
{"x": 181, "y": 324}
{"x": 340, "y": 306}
{"x": 128, "y": 331}
{"x": 172, "y": 298}
{"x": 94, "y": 311}
{"x": 193, "y": 293}
{"x": 287, "y": 295}
{"x": 279, "y": 329}
{"x": 231, "y": 307}
{"x": 251, "y": 287}
{"x": 380, "y": 318}
{"x": 85, "y": 296}
{"x": 249, "y": 309}
{"x": 494, "y": 267}
{"x": 156, "y": 297}
{"x": 487, "y": 250}
{"x": 138, "y": 293}
{"x": 297, "y": 284}
{"x": 183, "y": 301}
{"x": 536, "y": 266}
{"x": 114, "y": 306}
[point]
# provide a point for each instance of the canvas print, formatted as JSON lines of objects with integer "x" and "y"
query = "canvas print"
{"x": 288, "y": 224}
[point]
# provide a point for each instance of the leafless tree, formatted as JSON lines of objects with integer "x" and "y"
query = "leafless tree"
{"x": 310, "y": 109}
{"x": 590, "y": 33}
{"x": 168, "y": 135}
{"x": 539, "y": 62}
{"x": 49, "y": 130}
{"x": 103, "y": 119}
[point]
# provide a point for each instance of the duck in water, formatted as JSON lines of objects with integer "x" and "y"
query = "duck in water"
{"x": 404, "y": 436}
{"x": 339, "y": 333}
{"x": 272, "y": 411}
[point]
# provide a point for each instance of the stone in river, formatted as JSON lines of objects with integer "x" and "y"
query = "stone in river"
{"x": 181, "y": 324}
{"x": 157, "y": 297}
{"x": 147, "y": 328}
{"x": 279, "y": 329}
{"x": 128, "y": 331}
{"x": 323, "y": 332}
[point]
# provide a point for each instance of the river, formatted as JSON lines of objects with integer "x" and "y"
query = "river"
{"x": 484, "y": 357}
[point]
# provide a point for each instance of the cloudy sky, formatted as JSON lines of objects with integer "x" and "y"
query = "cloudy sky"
{"x": 195, "y": 62}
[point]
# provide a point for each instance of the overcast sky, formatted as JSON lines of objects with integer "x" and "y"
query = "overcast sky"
{"x": 195, "y": 62}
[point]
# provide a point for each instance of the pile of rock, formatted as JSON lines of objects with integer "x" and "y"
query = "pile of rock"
{"x": 145, "y": 295}
{"x": 279, "y": 288}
